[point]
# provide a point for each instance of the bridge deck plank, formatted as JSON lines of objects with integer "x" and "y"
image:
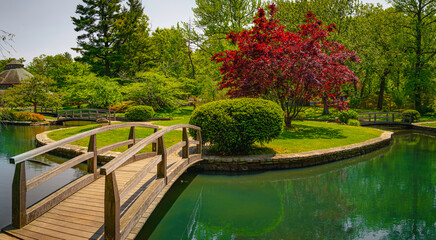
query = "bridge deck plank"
{"x": 81, "y": 216}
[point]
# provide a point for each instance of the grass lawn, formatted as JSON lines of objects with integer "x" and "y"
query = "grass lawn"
{"x": 179, "y": 116}
{"x": 433, "y": 124}
{"x": 114, "y": 136}
{"x": 308, "y": 136}
{"x": 304, "y": 136}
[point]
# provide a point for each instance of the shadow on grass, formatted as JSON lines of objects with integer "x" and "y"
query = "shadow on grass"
{"x": 308, "y": 132}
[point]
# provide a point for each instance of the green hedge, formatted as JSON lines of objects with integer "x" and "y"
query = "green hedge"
{"x": 346, "y": 115}
{"x": 233, "y": 126}
{"x": 353, "y": 122}
{"x": 415, "y": 115}
{"x": 139, "y": 113}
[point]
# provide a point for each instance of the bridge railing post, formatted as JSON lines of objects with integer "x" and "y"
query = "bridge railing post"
{"x": 154, "y": 145}
{"x": 185, "y": 149}
{"x": 111, "y": 208}
{"x": 200, "y": 142}
{"x": 162, "y": 166}
{"x": 92, "y": 162}
{"x": 19, "y": 192}
{"x": 80, "y": 112}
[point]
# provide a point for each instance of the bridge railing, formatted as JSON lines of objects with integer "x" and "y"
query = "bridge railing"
{"x": 21, "y": 215}
{"x": 116, "y": 227}
{"x": 87, "y": 114}
{"x": 373, "y": 117}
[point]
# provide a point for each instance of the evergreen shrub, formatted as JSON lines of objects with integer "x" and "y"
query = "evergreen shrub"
{"x": 139, "y": 113}
{"x": 344, "y": 116}
{"x": 415, "y": 115}
{"x": 353, "y": 122}
{"x": 233, "y": 126}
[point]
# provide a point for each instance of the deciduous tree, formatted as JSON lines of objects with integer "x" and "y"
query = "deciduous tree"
{"x": 290, "y": 68}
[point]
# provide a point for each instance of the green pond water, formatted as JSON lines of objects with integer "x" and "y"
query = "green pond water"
{"x": 18, "y": 139}
{"x": 388, "y": 194}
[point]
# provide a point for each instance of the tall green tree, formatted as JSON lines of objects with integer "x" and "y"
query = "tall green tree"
{"x": 421, "y": 27}
{"x": 134, "y": 48}
{"x": 96, "y": 23}
{"x": 221, "y": 16}
{"x": 58, "y": 67}
{"x": 37, "y": 90}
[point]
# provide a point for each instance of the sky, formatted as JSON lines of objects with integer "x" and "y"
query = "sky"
{"x": 45, "y": 26}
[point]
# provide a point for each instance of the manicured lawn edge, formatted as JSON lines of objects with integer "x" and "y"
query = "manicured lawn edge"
{"x": 294, "y": 160}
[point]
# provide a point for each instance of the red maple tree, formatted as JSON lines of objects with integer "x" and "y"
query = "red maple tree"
{"x": 290, "y": 68}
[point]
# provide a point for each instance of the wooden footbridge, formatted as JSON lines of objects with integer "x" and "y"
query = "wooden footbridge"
{"x": 384, "y": 118}
{"x": 97, "y": 207}
{"x": 85, "y": 115}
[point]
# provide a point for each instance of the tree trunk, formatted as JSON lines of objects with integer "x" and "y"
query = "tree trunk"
{"x": 326, "y": 105}
{"x": 382, "y": 91}
{"x": 34, "y": 107}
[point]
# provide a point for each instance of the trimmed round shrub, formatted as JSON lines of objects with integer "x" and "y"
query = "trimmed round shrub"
{"x": 353, "y": 122}
{"x": 139, "y": 113}
{"x": 233, "y": 126}
{"x": 344, "y": 116}
{"x": 415, "y": 115}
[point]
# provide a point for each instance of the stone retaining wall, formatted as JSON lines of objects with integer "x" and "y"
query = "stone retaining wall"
{"x": 419, "y": 127}
{"x": 295, "y": 160}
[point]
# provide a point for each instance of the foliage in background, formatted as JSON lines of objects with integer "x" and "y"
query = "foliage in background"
{"x": 34, "y": 91}
{"x": 58, "y": 67}
{"x": 122, "y": 106}
{"x": 233, "y": 126}
{"x": 152, "y": 89}
{"x": 98, "y": 92}
{"x": 139, "y": 113}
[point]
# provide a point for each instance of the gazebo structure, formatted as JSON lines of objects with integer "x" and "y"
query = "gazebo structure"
{"x": 13, "y": 74}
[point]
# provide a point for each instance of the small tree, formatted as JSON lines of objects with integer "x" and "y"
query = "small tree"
{"x": 287, "y": 67}
{"x": 35, "y": 91}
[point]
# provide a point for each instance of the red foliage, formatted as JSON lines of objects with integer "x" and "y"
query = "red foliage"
{"x": 291, "y": 68}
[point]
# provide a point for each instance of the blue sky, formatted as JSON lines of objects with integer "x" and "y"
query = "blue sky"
{"x": 45, "y": 26}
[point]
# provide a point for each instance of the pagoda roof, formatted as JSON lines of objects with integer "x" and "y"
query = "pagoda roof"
{"x": 14, "y": 73}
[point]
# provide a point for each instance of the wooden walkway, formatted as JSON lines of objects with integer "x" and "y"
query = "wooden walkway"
{"x": 110, "y": 206}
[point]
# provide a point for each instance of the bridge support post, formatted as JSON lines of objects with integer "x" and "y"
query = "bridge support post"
{"x": 185, "y": 149}
{"x": 111, "y": 208}
{"x": 133, "y": 137}
{"x": 162, "y": 166}
{"x": 154, "y": 145}
{"x": 200, "y": 143}
{"x": 19, "y": 190}
{"x": 92, "y": 163}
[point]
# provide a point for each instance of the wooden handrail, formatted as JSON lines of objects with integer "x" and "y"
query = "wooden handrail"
{"x": 112, "y": 220}
{"x": 21, "y": 215}
{"x": 38, "y": 151}
{"x": 119, "y": 161}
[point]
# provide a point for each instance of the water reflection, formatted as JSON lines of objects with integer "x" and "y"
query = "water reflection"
{"x": 18, "y": 139}
{"x": 390, "y": 194}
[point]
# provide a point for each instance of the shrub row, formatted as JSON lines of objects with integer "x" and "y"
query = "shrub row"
{"x": 10, "y": 115}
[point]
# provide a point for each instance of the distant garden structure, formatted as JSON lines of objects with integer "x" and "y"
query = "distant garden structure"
{"x": 13, "y": 74}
